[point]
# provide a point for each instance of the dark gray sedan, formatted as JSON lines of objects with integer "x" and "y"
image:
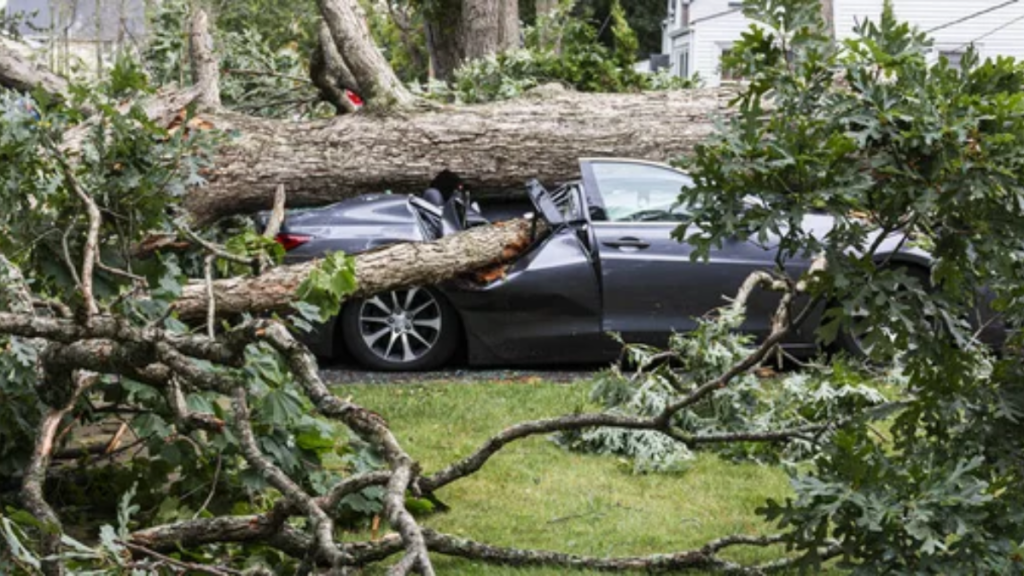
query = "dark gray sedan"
{"x": 609, "y": 265}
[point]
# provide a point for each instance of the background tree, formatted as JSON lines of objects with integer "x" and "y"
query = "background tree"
{"x": 462, "y": 30}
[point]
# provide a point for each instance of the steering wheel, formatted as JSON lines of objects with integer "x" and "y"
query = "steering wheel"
{"x": 648, "y": 216}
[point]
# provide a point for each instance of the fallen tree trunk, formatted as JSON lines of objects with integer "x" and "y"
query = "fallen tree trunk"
{"x": 396, "y": 266}
{"x": 19, "y": 73}
{"x": 494, "y": 146}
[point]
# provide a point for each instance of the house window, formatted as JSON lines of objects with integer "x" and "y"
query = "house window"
{"x": 727, "y": 75}
{"x": 954, "y": 57}
{"x": 683, "y": 64}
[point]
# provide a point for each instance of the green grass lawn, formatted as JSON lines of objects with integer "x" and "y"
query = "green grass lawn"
{"x": 534, "y": 494}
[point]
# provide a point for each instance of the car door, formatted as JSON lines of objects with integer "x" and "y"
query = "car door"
{"x": 650, "y": 286}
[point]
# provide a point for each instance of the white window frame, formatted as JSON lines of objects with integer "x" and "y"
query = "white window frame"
{"x": 724, "y": 47}
{"x": 939, "y": 49}
{"x": 682, "y": 67}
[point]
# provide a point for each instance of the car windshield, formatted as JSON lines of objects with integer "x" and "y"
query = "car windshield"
{"x": 633, "y": 191}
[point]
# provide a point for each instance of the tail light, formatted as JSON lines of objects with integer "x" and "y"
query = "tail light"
{"x": 292, "y": 241}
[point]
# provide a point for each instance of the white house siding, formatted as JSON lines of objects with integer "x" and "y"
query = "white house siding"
{"x": 716, "y": 24}
{"x": 999, "y": 32}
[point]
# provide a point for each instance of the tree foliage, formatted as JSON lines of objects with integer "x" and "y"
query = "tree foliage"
{"x": 136, "y": 172}
{"x": 896, "y": 148}
{"x": 560, "y": 48}
{"x": 818, "y": 397}
{"x": 262, "y": 72}
{"x": 899, "y": 150}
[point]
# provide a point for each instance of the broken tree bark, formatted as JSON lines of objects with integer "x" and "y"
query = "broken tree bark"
{"x": 494, "y": 147}
{"x": 378, "y": 84}
{"x": 18, "y": 73}
{"x": 397, "y": 266}
{"x": 329, "y": 74}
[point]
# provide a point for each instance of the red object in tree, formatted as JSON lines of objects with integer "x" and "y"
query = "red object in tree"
{"x": 354, "y": 98}
{"x": 291, "y": 241}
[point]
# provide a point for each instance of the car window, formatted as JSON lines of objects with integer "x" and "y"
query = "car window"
{"x": 640, "y": 192}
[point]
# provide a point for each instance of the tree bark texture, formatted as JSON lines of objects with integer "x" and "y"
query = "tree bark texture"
{"x": 444, "y": 28}
{"x": 480, "y": 28}
{"x": 378, "y": 84}
{"x": 545, "y": 7}
{"x": 388, "y": 268}
{"x": 329, "y": 73}
{"x": 464, "y": 30}
{"x": 204, "y": 63}
{"x": 494, "y": 147}
{"x": 508, "y": 25}
{"x": 18, "y": 73}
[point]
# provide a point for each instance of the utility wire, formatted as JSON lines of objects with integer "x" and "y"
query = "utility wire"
{"x": 991, "y": 32}
{"x": 972, "y": 16}
{"x": 725, "y": 13}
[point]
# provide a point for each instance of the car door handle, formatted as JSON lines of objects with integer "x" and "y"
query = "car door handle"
{"x": 627, "y": 242}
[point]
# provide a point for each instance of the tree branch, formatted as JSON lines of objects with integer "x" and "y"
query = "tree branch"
{"x": 329, "y": 73}
{"x": 18, "y": 73}
{"x": 204, "y": 63}
{"x": 322, "y": 525}
{"x": 388, "y": 268}
{"x": 35, "y": 475}
{"x": 378, "y": 84}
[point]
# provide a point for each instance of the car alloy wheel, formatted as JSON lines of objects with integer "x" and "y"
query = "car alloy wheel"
{"x": 401, "y": 326}
{"x": 409, "y": 329}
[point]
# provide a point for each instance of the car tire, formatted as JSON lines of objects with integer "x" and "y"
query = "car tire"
{"x": 401, "y": 330}
{"x": 850, "y": 342}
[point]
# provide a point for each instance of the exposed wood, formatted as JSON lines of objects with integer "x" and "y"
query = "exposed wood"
{"x": 329, "y": 73}
{"x": 396, "y": 266}
{"x": 204, "y": 63}
{"x": 378, "y": 84}
{"x": 494, "y": 147}
{"x": 276, "y": 214}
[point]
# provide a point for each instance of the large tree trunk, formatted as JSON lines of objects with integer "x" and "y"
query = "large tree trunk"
{"x": 18, "y": 73}
{"x": 508, "y": 25}
{"x": 378, "y": 84}
{"x": 494, "y": 147}
{"x": 480, "y": 19}
{"x": 389, "y": 268}
{"x": 444, "y": 24}
{"x": 462, "y": 30}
